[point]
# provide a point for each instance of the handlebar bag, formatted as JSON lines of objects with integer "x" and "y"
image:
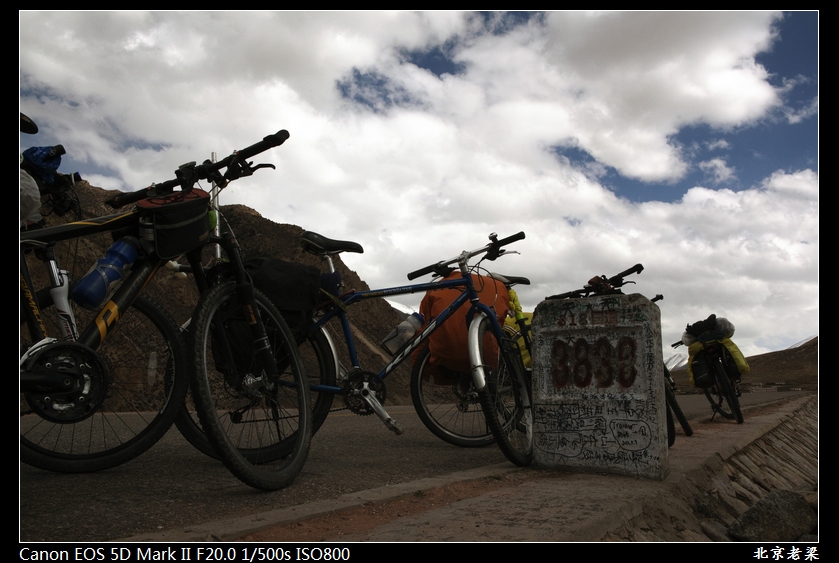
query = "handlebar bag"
{"x": 175, "y": 223}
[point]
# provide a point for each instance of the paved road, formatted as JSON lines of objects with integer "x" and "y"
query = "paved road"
{"x": 173, "y": 485}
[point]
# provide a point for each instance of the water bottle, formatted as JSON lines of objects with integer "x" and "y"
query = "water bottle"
{"x": 403, "y": 333}
{"x": 96, "y": 286}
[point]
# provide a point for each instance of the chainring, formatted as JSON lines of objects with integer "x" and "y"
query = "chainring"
{"x": 357, "y": 384}
{"x": 87, "y": 383}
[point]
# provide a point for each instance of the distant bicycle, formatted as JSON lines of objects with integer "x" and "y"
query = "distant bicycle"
{"x": 713, "y": 365}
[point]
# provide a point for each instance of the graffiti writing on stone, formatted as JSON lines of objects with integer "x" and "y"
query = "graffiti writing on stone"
{"x": 595, "y": 394}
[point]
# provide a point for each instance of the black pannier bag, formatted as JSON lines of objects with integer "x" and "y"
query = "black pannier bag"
{"x": 702, "y": 376}
{"x": 293, "y": 288}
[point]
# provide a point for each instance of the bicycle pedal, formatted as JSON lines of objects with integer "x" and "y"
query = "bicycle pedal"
{"x": 395, "y": 426}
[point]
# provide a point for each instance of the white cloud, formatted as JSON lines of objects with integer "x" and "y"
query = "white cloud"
{"x": 141, "y": 93}
{"x": 718, "y": 144}
{"x": 717, "y": 170}
{"x": 809, "y": 110}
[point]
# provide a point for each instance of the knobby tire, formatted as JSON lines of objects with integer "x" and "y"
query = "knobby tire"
{"x": 316, "y": 355}
{"x": 146, "y": 364}
{"x": 505, "y": 399}
{"x": 260, "y": 429}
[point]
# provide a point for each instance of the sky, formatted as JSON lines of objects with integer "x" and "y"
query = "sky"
{"x": 685, "y": 141}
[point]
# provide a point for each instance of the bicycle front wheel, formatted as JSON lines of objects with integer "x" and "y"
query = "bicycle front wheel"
{"x": 261, "y": 429}
{"x": 316, "y": 355}
{"x": 448, "y": 404}
{"x": 505, "y": 399}
{"x": 144, "y": 381}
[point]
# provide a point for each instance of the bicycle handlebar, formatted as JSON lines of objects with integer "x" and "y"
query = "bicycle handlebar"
{"x": 601, "y": 285}
{"x": 618, "y": 278}
{"x": 493, "y": 251}
{"x": 189, "y": 173}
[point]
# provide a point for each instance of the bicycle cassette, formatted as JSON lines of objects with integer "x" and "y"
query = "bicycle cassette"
{"x": 360, "y": 384}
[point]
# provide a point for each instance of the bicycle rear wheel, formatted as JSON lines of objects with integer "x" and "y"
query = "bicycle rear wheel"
{"x": 145, "y": 379}
{"x": 722, "y": 396}
{"x": 260, "y": 429}
{"x": 448, "y": 404}
{"x": 505, "y": 399}
{"x": 319, "y": 362}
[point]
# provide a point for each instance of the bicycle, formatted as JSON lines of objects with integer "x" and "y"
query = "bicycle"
{"x": 714, "y": 368}
{"x": 446, "y": 400}
{"x": 498, "y": 377}
{"x": 97, "y": 388}
{"x": 248, "y": 382}
{"x": 601, "y": 285}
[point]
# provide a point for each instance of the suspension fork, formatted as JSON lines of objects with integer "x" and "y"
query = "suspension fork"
{"x": 513, "y": 362}
{"x": 247, "y": 300}
{"x": 59, "y": 289}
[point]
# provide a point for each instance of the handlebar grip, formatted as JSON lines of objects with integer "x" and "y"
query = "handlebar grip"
{"x": 636, "y": 269}
{"x": 268, "y": 142}
{"x": 509, "y": 239}
{"x": 421, "y": 272}
{"x": 567, "y": 295}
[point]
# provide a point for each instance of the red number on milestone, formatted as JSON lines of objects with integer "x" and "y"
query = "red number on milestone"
{"x": 604, "y": 374}
{"x": 626, "y": 358}
{"x": 559, "y": 364}
{"x": 582, "y": 367}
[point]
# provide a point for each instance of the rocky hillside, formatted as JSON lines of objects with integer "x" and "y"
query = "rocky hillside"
{"x": 259, "y": 237}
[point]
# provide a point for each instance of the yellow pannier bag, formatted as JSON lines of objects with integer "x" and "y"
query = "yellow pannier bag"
{"x": 733, "y": 350}
{"x": 511, "y": 326}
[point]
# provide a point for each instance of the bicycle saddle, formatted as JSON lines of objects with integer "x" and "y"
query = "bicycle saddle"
{"x": 321, "y": 246}
{"x": 509, "y": 280}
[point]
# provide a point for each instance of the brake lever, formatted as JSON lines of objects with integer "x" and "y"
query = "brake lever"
{"x": 258, "y": 166}
{"x": 240, "y": 169}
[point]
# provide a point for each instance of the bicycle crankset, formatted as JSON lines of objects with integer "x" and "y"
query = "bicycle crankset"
{"x": 358, "y": 384}
{"x": 64, "y": 382}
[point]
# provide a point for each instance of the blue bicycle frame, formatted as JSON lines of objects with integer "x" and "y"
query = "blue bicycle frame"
{"x": 469, "y": 293}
